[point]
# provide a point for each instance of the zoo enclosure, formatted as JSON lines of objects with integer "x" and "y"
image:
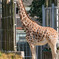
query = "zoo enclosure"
{"x": 50, "y": 15}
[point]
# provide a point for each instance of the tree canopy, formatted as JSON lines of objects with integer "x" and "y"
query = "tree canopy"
{"x": 36, "y": 8}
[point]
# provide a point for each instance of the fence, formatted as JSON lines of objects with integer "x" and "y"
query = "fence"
{"x": 22, "y": 44}
{"x": 49, "y": 19}
{"x": 50, "y": 16}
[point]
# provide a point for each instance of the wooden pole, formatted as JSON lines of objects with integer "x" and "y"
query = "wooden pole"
{"x": 15, "y": 48}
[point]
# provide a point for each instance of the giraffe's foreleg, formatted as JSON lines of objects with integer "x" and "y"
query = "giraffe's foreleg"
{"x": 32, "y": 46}
{"x": 33, "y": 51}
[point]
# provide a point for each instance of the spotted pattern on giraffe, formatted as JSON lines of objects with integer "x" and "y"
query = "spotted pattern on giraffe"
{"x": 36, "y": 34}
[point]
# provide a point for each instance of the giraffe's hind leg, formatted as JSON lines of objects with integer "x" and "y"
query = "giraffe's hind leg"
{"x": 53, "y": 49}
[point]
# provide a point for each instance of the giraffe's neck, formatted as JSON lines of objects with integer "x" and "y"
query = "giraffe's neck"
{"x": 22, "y": 12}
{"x": 27, "y": 22}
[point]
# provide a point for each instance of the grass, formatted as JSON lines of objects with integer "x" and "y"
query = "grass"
{"x": 9, "y": 56}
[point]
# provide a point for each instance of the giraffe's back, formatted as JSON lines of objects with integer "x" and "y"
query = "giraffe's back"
{"x": 51, "y": 32}
{"x": 46, "y": 32}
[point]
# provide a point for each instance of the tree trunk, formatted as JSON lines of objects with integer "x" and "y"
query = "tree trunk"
{"x": 47, "y": 3}
{"x": 8, "y": 25}
{"x": 55, "y": 2}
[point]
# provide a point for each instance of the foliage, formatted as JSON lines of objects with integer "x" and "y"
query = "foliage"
{"x": 9, "y": 56}
{"x": 0, "y": 53}
{"x": 36, "y": 8}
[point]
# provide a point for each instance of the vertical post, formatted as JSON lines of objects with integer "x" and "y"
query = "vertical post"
{"x": 52, "y": 15}
{"x": 50, "y": 18}
{"x": 0, "y": 27}
{"x": 47, "y": 18}
{"x": 56, "y": 19}
{"x": 50, "y": 3}
{"x": 47, "y": 4}
{"x": 58, "y": 14}
{"x": 43, "y": 24}
{"x": 12, "y": 24}
{"x": 15, "y": 48}
{"x": 43, "y": 15}
{"x": 0, "y": 35}
{"x": 40, "y": 52}
{"x": 37, "y": 51}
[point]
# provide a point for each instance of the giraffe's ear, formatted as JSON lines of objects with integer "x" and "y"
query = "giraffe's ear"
{"x": 8, "y": 1}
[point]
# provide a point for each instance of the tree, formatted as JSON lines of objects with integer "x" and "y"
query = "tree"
{"x": 36, "y": 8}
{"x": 46, "y": 3}
{"x": 49, "y": 2}
{"x": 7, "y": 25}
{"x": 55, "y": 2}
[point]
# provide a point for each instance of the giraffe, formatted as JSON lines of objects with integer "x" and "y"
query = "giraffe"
{"x": 36, "y": 34}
